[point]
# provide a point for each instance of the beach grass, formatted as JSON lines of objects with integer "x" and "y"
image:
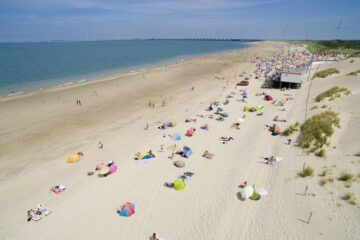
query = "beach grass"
{"x": 306, "y": 172}
{"x": 324, "y": 181}
{"x": 352, "y": 60}
{"x": 324, "y": 173}
{"x": 346, "y": 177}
{"x": 313, "y": 107}
{"x": 349, "y": 47}
{"x": 350, "y": 198}
{"x": 325, "y": 73}
{"x": 316, "y": 130}
{"x": 291, "y": 129}
{"x": 355, "y": 73}
{"x": 321, "y": 153}
{"x": 357, "y": 154}
{"x": 333, "y": 92}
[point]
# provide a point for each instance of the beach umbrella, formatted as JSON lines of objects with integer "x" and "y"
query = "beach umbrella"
{"x": 259, "y": 107}
{"x": 73, "y": 158}
{"x": 179, "y": 184}
{"x": 179, "y": 163}
{"x": 261, "y": 191}
{"x": 255, "y": 196}
{"x": 246, "y": 192}
{"x": 103, "y": 171}
{"x": 186, "y": 152}
{"x": 189, "y": 132}
{"x": 172, "y": 123}
{"x": 177, "y": 137}
{"x": 126, "y": 210}
{"x": 113, "y": 168}
{"x": 143, "y": 155}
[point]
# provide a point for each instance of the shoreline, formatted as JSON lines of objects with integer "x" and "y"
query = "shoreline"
{"x": 101, "y": 77}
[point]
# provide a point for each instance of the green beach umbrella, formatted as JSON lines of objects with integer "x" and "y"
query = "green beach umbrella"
{"x": 179, "y": 184}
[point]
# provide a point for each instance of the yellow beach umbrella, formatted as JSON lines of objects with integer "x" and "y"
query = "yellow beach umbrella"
{"x": 73, "y": 158}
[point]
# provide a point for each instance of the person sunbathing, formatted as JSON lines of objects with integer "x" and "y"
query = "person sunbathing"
{"x": 190, "y": 120}
{"x": 151, "y": 153}
{"x": 226, "y": 139}
{"x": 205, "y": 127}
{"x": 58, "y": 189}
{"x": 169, "y": 185}
{"x": 236, "y": 125}
{"x": 242, "y": 185}
{"x": 208, "y": 155}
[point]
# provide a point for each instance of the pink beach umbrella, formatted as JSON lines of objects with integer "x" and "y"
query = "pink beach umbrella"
{"x": 112, "y": 169}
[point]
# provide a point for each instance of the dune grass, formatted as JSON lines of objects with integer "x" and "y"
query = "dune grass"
{"x": 321, "y": 153}
{"x": 355, "y": 73}
{"x": 331, "y": 93}
{"x": 350, "y": 47}
{"x": 346, "y": 177}
{"x": 291, "y": 129}
{"x": 357, "y": 154}
{"x": 306, "y": 172}
{"x": 350, "y": 198}
{"x": 324, "y": 173}
{"x": 324, "y": 181}
{"x": 313, "y": 107}
{"x": 352, "y": 60}
{"x": 316, "y": 130}
{"x": 325, "y": 73}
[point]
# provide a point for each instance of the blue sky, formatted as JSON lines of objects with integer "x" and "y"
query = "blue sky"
{"x": 39, "y": 20}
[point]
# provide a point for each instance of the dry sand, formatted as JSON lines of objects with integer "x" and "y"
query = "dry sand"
{"x": 40, "y": 131}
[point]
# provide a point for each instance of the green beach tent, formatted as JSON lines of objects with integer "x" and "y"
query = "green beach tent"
{"x": 255, "y": 196}
{"x": 179, "y": 184}
{"x": 259, "y": 107}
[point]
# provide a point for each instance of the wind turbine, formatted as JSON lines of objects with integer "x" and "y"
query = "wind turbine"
{"x": 338, "y": 29}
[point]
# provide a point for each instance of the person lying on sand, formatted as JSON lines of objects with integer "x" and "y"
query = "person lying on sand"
{"x": 190, "y": 120}
{"x": 220, "y": 119}
{"x": 226, "y": 139}
{"x": 169, "y": 185}
{"x": 205, "y": 127}
{"x": 242, "y": 185}
{"x": 236, "y": 125}
{"x": 259, "y": 114}
{"x": 277, "y": 119}
{"x": 58, "y": 188}
{"x": 269, "y": 160}
{"x": 208, "y": 155}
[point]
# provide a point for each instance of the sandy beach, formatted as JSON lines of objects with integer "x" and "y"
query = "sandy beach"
{"x": 41, "y": 130}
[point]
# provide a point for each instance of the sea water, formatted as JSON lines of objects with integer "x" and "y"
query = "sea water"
{"x": 28, "y": 67}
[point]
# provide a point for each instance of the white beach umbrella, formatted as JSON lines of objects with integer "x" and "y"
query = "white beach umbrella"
{"x": 246, "y": 192}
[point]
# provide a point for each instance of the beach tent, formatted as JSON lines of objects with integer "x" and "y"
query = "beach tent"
{"x": 186, "y": 152}
{"x": 189, "y": 132}
{"x": 278, "y": 103}
{"x": 171, "y": 123}
{"x": 127, "y": 209}
{"x": 73, "y": 158}
{"x": 179, "y": 184}
{"x": 143, "y": 155}
{"x": 259, "y": 107}
{"x": 177, "y": 137}
{"x": 246, "y": 109}
{"x": 252, "y": 109}
{"x": 255, "y": 196}
{"x": 113, "y": 169}
{"x": 268, "y": 98}
{"x": 246, "y": 192}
